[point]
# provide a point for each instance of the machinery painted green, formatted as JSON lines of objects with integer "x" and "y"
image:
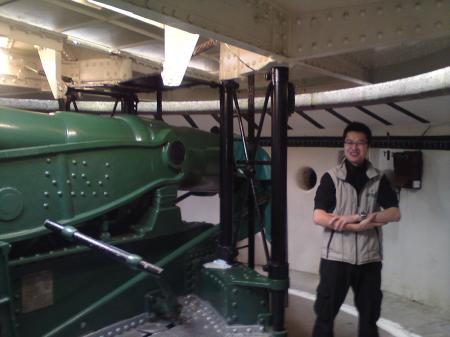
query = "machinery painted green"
{"x": 115, "y": 179}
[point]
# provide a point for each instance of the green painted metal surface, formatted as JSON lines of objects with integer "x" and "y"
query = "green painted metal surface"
{"x": 115, "y": 179}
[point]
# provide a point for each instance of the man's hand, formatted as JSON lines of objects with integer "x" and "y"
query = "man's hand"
{"x": 339, "y": 222}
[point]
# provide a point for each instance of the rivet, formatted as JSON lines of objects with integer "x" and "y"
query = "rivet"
{"x": 54, "y": 182}
{"x": 362, "y": 38}
{"x": 418, "y": 28}
{"x": 72, "y": 193}
{"x": 399, "y": 31}
{"x": 313, "y": 20}
{"x": 88, "y": 183}
{"x": 329, "y": 17}
{"x": 73, "y": 175}
{"x": 47, "y": 173}
{"x": 314, "y": 45}
{"x": 59, "y": 193}
{"x": 299, "y": 22}
{"x": 82, "y": 193}
{"x": 100, "y": 182}
{"x": 438, "y": 25}
{"x": 300, "y": 49}
{"x": 362, "y": 13}
{"x": 107, "y": 164}
{"x": 380, "y": 10}
{"x": 68, "y": 182}
{"x": 105, "y": 194}
{"x": 380, "y": 35}
{"x": 84, "y": 163}
{"x": 398, "y": 8}
{"x": 45, "y": 205}
{"x": 417, "y": 5}
{"x": 439, "y": 3}
{"x": 330, "y": 43}
{"x": 74, "y": 162}
{"x": 48, "y": 160}
{"x": 345, "y": 15}
{"x": 284, "y": 37}
{"x": 346, "y": 40}
{"x": 46, "y": 194}
{"x": 94, "y": 193}
{"x": 83, "y": 175}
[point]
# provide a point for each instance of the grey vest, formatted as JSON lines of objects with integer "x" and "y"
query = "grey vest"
{"x": 361, "y": 247}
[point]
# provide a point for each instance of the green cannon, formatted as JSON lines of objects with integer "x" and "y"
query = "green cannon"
{"x": 116, "y": 181}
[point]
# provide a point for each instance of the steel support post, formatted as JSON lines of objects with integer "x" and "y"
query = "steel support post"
{"x": 158, "y": 115}
{"x": 226, "y": 172}
{"x": 251, "y": 157}
{"x": 279, "y": 268}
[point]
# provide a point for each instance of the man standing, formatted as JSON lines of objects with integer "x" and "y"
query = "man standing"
{"x": 352, "y": 202}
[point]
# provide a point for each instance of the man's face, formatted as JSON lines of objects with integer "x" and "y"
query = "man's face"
{"x": 355, "y": 147}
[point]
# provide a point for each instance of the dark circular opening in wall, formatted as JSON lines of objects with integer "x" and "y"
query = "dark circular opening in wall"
{"x": 306, "y": 178}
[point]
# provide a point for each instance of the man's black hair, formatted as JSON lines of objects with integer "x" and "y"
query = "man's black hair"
{"x": 358, "y": 127}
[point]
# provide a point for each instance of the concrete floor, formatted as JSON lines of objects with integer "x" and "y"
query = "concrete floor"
{"x": 400, "y": 317}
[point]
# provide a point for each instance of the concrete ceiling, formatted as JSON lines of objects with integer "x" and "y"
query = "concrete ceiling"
{"x": 328, "y": 44}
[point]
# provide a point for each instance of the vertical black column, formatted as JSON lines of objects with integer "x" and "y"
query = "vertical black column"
{"x": 251, "y": 158}
{"x": 225, "y": 249}
{"x": 279, "y": 268}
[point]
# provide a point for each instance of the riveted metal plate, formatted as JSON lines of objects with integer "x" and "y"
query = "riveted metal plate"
{"x": 197, "y": 318}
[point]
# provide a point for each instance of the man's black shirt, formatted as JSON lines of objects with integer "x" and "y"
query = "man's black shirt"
{"x": 356, "y": 176}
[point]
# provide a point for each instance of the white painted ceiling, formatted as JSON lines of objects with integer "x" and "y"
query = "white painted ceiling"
{"x": 328, "y": 44}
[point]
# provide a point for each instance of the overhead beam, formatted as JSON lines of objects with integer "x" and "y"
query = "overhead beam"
{"x": 258, "y": 26}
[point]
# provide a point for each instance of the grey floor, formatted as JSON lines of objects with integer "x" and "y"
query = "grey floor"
{"x": 400, "y": 317}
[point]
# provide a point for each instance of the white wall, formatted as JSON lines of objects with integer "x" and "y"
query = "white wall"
{"x": 417, "y": 249}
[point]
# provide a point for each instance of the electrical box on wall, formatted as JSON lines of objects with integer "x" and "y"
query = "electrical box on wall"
{"x": 408, "y": 169}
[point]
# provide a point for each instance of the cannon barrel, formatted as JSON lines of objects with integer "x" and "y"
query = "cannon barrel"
{"x": 74, "y": 167}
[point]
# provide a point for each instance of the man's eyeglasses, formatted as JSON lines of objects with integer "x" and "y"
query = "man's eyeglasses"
{"x": 358, "y": 143}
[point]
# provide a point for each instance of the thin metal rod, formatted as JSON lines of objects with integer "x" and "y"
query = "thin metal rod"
{"x": 190, "y": 120}
{"x": 338, "y": 116}
{"x": 252, "y": 181}
{"x": 264, "y": 111}
{"x": 373, "y": 115}
{"x": 251, "y": 156}
{"x": 408, "y": 113}
{"x": 309, "y": 119}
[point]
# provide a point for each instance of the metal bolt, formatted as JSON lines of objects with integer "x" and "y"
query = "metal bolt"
{"x": 74, "y": 162}
{"x": 47, "y": 173}
{"x": 46, "y": 194}
{"x": 105, "y": 194}
{"x": 100, "y": 182}
{"x": 72, "y": 193}
{"x": 73, "y": 175}
{"x": 59, "y": 193}
{"x": 106, "y": 176}
{"x": 82, "y": 193}
{"x": 48, "y": 160}
{"x": 94, "y": 193}
{"x": 54, "y": 182}
{"x": 84, "y": 162}
{"x": 88, "y": 183}
{"x": 45, "y": 205}
{"x": 83, "y": 175}
{"x": 68, "y": 182}
{"x": 107, "y": 164}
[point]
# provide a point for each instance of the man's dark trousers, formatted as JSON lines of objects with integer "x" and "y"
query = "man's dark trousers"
{"x": 335, "y": 280}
